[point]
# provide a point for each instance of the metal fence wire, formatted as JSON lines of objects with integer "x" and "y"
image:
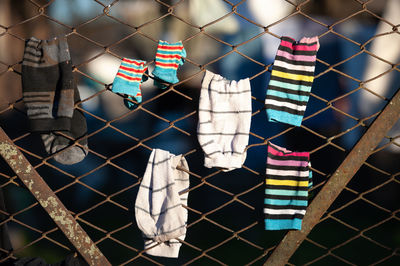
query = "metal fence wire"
{"x": 225, "y": 226}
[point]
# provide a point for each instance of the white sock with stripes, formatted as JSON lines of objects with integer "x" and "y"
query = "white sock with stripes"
{"x": 158, "y": 207}
{"x": 224, "y": 121}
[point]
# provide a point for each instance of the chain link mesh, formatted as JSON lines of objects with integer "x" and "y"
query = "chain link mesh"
{"x": 225, "y": 224}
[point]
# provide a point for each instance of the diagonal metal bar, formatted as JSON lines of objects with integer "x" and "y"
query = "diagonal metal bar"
{"x": 50, "y": 202}
{"x": 347, "y": 169}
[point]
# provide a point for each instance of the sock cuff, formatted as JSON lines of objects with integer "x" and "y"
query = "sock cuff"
{"x": 45, "y": 53}
{"x": 310, "y": 44}
{"x": 126, "y": 87}
{"x": 168, "y": 249}
{"x": 283, "y": 115}
{"x": 167, "y": 75}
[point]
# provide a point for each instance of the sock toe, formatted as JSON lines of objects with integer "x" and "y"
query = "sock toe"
{"x": 71, "y": 155}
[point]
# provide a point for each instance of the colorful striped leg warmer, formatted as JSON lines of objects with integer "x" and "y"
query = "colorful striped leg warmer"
{"x": 291, "y": 80}
{"x": 287, "y": 182}
{"x": 49, "y": 93}
{"x": 128, "y": 79}
{"x": 169, "y": 57}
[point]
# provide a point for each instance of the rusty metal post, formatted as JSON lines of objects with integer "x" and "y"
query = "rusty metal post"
{"x": 50, "y": 202}
{"x": 347, "y": 169}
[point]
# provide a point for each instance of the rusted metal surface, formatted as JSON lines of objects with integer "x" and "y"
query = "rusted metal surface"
{"x": 348, "y": 168}
{"x": 50, "y": 202}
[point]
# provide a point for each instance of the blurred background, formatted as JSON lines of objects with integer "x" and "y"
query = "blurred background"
{"x": 357, "y": 72}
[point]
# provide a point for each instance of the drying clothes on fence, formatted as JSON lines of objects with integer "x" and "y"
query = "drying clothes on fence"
{"x": 287, "y": 182}
{"x": 224, "y": 121}
{"x": 169, "y": 57}
{"x": 128, "y": 79}
{"x": 49, "y": 93}
{"x": 158, "y": 208}
{"x": 291, "y": 80}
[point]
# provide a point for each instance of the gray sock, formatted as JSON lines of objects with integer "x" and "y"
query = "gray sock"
{"x": 49, "y": 94}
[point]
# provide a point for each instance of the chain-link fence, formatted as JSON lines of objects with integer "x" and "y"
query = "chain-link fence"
{"x": 356, "y": 75}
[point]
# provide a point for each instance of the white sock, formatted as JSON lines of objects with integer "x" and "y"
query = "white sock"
{"x": 224, "y": 121}
{"x": 158, "y": 207}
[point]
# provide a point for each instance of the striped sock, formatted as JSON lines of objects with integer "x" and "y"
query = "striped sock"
{"x": 224, "y": 121}
{"x": 158, "y": 208}
{"x": 128, "y": 79}
{"x": 287, "y": 183}
{"x": 291, "y": 80}
{"x": 49, "y": 93}
{"x": 168, "y": 58}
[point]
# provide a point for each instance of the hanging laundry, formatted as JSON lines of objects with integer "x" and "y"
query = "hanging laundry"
{"x": 169, "y": 57}
{"x": 128, "y": 80}
{"x": 224, "y": 121}
{"x": 291, "y": 80}
{"x": 287, "y": 182}
{"x": 49, "y": 93}
{"x": 158, "y": 208}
